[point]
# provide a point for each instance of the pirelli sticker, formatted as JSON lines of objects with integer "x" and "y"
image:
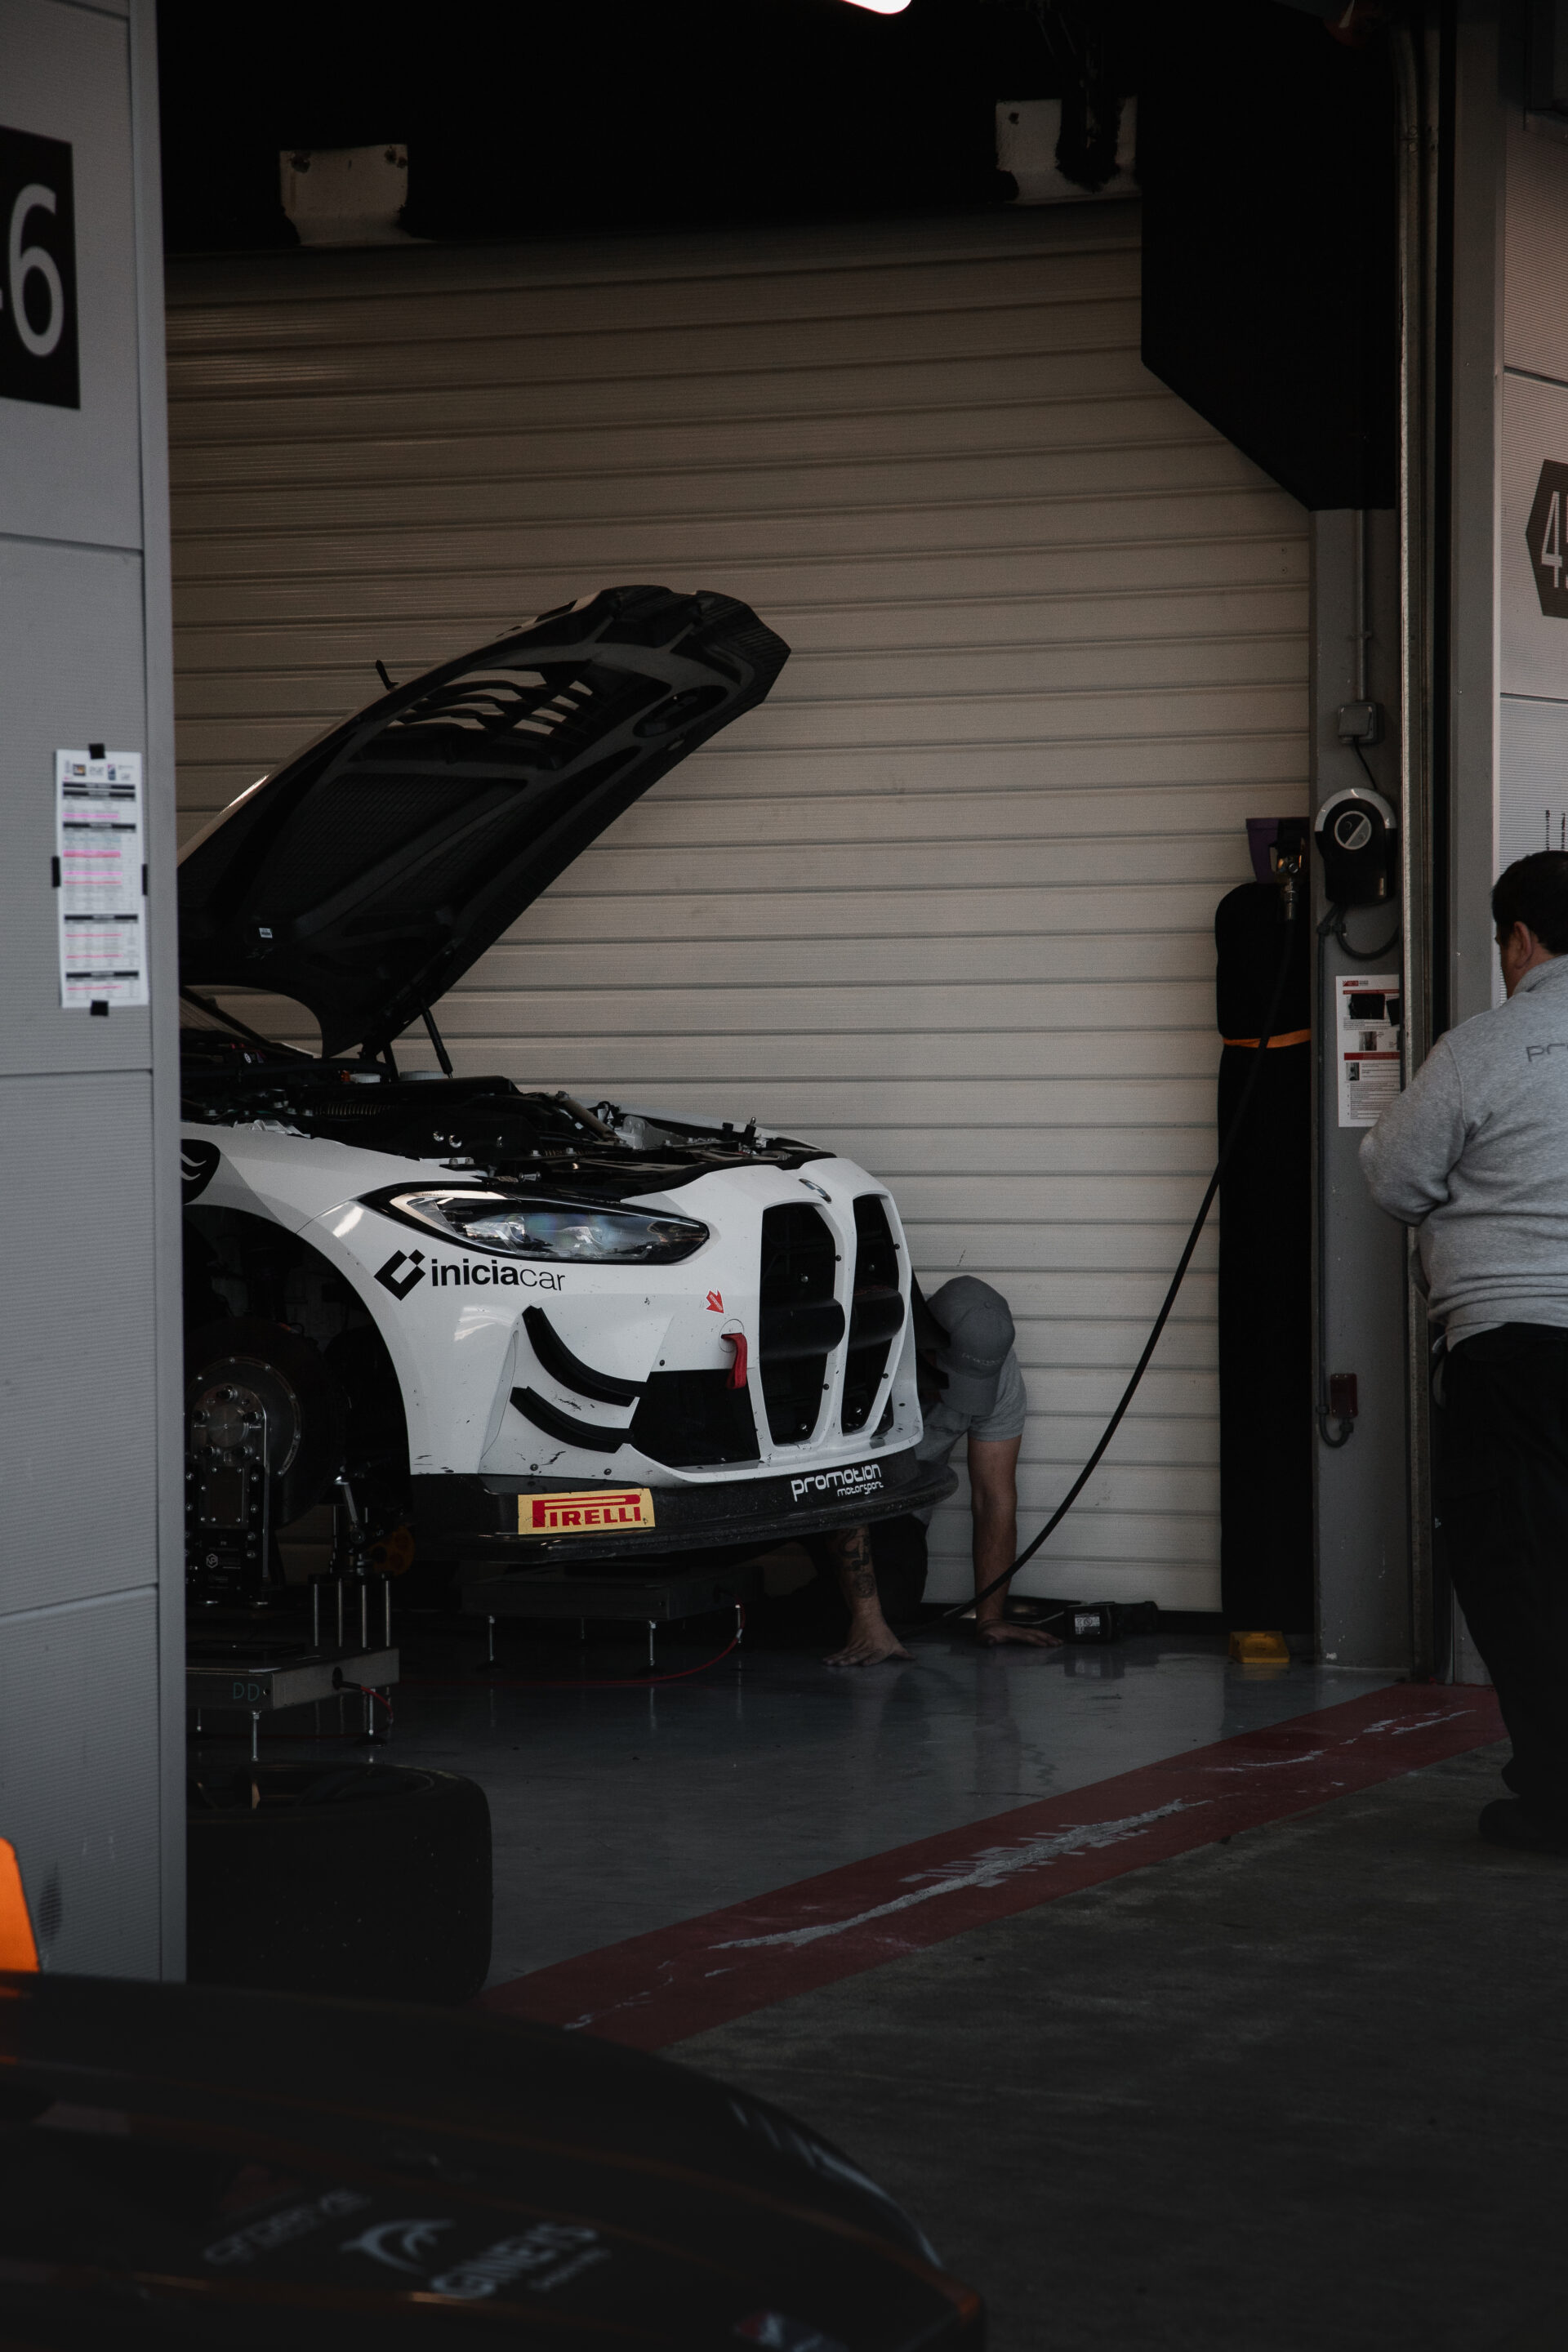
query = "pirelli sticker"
{"x": 601, "y": 1510}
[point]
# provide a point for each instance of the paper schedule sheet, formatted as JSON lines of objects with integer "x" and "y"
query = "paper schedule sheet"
{"x": 100, "y": 867}
{"x": 1367, "y": 1021}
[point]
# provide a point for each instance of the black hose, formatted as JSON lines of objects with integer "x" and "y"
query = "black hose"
{"x": 1333, "y": 926}
{"x": 1289, "y": 897}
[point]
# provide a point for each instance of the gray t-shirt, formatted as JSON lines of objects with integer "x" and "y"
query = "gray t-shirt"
{"x": 1474, "y": 1154}
{"x": 944, "y": 1425}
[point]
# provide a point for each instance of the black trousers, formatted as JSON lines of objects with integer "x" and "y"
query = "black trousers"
{"x": 1500, "y": 1475}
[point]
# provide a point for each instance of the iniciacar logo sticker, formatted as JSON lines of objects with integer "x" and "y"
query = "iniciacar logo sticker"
{"x": 404, "y": 1270}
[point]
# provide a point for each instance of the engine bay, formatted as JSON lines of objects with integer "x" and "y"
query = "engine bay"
{"x": 483, "y": 1127}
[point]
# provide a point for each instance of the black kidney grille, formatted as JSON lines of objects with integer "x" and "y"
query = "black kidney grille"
{"x": 877, "y": 1310}
{"x": 801, "y": 1321}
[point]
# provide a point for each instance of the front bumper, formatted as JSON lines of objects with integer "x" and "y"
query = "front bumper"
{"x": 473, "y": 1519}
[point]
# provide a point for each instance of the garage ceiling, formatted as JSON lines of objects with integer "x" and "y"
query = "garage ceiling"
{"x": 605, "y": 113}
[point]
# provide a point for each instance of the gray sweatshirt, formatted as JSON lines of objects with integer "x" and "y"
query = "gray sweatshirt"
{"x": 1475, "y": 1154}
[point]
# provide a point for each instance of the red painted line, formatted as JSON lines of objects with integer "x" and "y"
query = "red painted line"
{"x": 656, "y": 1988}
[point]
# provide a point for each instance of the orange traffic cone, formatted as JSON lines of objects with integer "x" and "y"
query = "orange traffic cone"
{"x": 18, "y": 1952}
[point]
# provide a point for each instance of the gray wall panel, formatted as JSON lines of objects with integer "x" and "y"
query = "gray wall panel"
{"x": 78, "y": 1780}
{"x": 1535, "y": 316}
{"x": 1534, "y": 430}
{"x": 1533, "y": 776}
{"x": 77, "y": 473}
{"x": 92, "y": 1568}
{"x": 78, "y": 1464}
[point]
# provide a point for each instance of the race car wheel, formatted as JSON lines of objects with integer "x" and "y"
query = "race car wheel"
{"x": 365, "y": 1879}
{"x": 246, "y": 1374}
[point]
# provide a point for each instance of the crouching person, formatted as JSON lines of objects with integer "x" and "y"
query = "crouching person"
{"x": 971, "y": 1387}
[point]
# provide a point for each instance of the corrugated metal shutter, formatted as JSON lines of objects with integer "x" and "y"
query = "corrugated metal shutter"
{"x": 945, "y": 900}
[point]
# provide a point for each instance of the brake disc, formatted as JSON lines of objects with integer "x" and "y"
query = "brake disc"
{"x": 234, "y": 1401}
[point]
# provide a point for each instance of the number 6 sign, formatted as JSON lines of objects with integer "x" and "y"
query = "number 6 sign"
{"x": 37, "y": 272}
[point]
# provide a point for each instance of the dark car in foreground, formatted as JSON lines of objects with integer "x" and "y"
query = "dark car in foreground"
{"x": 183, "y": 2167}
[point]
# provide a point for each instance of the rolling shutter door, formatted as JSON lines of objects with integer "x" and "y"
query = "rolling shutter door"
{"x": 945, "y": 900}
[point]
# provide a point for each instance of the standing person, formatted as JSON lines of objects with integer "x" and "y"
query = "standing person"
{"x": 970, "y": 1387}
{"x": 1475, "y": 1155}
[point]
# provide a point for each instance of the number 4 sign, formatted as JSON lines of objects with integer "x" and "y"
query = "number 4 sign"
{"x": 37, "y": 271}
{"x": 1546, "y": 534}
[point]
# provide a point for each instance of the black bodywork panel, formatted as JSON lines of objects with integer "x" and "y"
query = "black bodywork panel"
{"x": 367, "y": 876}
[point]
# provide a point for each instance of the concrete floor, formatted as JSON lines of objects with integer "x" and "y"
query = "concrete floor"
{"x": 1306, "y": 2089}
{"x": 616, "y": 1812}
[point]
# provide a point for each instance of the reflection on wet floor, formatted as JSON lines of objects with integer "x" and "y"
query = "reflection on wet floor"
{"x": 620, "y": 1811}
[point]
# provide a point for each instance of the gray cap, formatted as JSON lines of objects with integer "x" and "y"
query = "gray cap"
{"x": 979, "y": 1332}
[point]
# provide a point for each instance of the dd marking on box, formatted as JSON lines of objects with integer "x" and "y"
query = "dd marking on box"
{"x": 37, "y": 272}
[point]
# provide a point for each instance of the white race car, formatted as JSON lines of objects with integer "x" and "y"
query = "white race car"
{"x": 502, "y": 1325}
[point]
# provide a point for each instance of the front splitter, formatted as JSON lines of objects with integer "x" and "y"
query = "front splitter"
{"x": 473, "y": 1520}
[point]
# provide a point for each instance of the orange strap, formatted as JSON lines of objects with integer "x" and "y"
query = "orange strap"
{"x": 1286, "y": 1037}
{"x": 18, "y": 1953}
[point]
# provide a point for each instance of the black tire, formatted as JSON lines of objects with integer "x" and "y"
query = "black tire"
{"x": 372, "y": 1880}
{"x": 303, "y": 1401}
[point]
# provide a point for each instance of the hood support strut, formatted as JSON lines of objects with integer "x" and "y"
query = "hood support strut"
{"x": 435, "y": 1035}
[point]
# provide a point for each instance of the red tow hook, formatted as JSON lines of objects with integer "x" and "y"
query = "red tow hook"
{"x": 736, "y": 1339}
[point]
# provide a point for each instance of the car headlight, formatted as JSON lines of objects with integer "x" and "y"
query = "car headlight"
{"x": 584, "y": 1231}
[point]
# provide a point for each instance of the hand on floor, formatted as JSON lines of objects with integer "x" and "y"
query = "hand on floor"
{"x": 867, "y": 1646}
{"x": 992, "y": 1632}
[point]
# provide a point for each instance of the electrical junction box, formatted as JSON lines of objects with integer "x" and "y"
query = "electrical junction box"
{"x": 1360, "y": 723}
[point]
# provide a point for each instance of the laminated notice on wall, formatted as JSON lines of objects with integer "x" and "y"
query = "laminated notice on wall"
{"x": 99, "y": 879}
{"x": 1366, "y": 1045}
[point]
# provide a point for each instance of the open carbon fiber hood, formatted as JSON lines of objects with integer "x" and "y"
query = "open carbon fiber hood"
{"x": 366, "y": 876}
